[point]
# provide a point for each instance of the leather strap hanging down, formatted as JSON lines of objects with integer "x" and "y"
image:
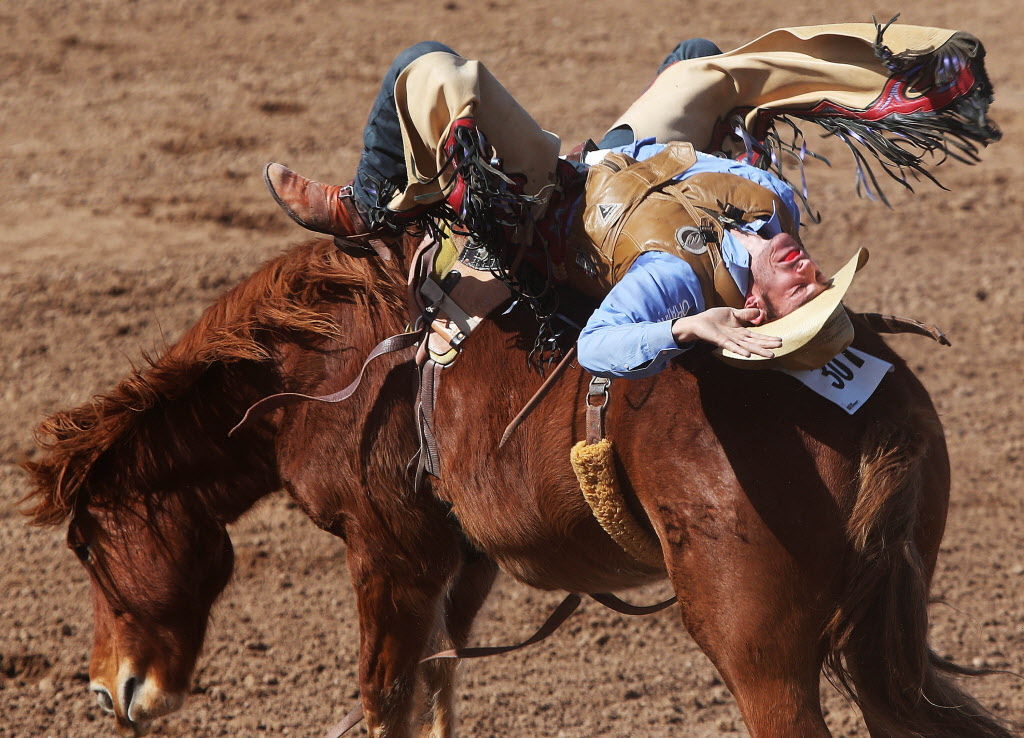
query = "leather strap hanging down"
{"x": 539, "y": 395}
{"x": 429, "y": 461}
{"x": 273, "y": 402}
{"x": 561, "y": 613}
{"x": 351, "y": 720}
{"x": 626, "y": 608}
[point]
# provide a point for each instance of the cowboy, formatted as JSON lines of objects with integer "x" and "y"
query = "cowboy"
{"x": 446, "y": 141}
{"x": 632, "y": 334}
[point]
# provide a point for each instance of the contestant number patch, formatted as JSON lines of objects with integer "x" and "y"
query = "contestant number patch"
{"x": 848, "y": 380}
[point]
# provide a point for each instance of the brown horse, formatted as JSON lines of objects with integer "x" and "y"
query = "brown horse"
{"x": 796, "y": 537}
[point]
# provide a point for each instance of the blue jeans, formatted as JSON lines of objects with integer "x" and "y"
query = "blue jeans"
{"x": 381, "y": 170}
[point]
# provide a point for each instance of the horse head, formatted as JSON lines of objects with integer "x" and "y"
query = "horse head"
{"x": 147, "y": 481}
{"x": 155, "y": 569}
{"x": 147, "y": 478}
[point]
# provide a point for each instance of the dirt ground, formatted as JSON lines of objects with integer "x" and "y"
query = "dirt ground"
{"x": 132, "y": 138}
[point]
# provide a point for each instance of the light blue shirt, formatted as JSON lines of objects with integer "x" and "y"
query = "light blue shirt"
{"x": 630, "y": 334}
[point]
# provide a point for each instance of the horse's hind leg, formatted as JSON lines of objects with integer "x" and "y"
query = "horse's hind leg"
{"x": 758, "y": 620}
{"x": 467, "y": 594}
{"x": 767, "y": 657}
{"x": 776, "y": 688}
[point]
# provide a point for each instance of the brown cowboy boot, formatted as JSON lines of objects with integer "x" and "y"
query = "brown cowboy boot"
{"x": 328, "y": 209}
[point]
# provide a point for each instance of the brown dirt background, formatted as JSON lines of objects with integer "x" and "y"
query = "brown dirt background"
{"x": 132, "y": 135}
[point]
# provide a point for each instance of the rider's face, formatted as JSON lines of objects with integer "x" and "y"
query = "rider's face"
{"x": 783, "y": 275}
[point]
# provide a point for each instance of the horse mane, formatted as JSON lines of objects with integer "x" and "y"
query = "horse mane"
{"x": 283, "y": 300}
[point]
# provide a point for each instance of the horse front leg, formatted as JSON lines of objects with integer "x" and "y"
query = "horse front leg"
{"x": 464, "y": 600}
{"x": 399, "y": 600}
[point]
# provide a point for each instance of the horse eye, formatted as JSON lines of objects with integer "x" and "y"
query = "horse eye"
{"x": 82, "y": 552}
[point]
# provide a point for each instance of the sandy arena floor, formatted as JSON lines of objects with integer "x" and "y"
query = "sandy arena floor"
{"x": 133, "y": 135}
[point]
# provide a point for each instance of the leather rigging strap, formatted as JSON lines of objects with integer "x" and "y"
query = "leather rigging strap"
{"x": 560, "y": 614}
{"x": 597, "y": 403}
{"x": 273, "y": 402}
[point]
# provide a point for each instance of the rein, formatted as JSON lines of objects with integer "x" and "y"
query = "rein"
{"x": 273, "y": 402}
{"x": 558, "y": 616}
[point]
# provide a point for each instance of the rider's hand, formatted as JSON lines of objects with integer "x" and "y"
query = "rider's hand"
{"x": 726, "y": 328}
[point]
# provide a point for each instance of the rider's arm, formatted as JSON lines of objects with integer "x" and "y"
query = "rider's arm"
{"x": 655, "y": 313}
{"x": 630, "y": 334}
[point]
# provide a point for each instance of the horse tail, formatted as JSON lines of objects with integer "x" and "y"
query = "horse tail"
{"x": 877, "y": 639}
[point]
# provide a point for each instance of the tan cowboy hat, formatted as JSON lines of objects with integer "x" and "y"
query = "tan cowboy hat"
{"x": 813, "y": 333}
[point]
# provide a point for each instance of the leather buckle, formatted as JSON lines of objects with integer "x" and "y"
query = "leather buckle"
{"x": 597, "y": 394}
{"x": 456, "y": 340}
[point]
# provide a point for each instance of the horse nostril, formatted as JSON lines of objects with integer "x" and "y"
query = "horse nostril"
{"x": 103, "y": 699}
{"x": 127, "y": 692}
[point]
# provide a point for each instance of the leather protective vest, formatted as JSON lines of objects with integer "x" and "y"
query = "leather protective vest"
{"x": 632, "y": 207}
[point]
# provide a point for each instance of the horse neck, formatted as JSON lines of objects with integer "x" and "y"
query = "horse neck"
{"x": 286, "y": 318}
{"x": 244, "y": 464}
{"x": 180, "y": 446}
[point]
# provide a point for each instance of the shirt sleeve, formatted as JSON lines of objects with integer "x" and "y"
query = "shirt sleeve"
{"x": 630, "y": 334}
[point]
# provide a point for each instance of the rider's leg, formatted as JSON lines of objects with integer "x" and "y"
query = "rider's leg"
{"x": 381, "y": 167}
{"x": 428, "y": 112}
{"x": 353, "y": 210}
{"x": 692, "y": 48}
